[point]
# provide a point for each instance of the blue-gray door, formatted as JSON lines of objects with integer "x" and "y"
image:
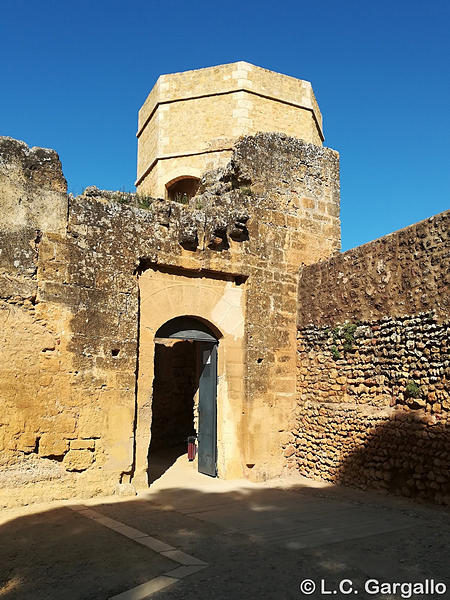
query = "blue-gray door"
{"x": 207, "y": 410}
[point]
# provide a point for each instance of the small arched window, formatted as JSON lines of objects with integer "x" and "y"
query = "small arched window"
{"x": 182, "y": 189}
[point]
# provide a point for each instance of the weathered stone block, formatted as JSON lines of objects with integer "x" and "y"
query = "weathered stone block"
{"x": 82, "y": 444}
{"x": 78, "y": 460}
{"x": 52, "y": 444}
{"x": 26, "y": 442}
{"x": 91, "y": 422}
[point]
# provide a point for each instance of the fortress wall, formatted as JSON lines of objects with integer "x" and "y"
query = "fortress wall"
{"x": 33, "y": 205}
{"x": 405, "y": 272}
{"x": 75, "y": 398}
{"x": 373, "y": 366}
{"x": 33, "y": 194}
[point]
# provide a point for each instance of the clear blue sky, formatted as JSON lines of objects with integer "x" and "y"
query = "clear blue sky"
{"x": 74, "y": 75}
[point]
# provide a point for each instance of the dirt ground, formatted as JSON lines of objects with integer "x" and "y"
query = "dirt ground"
{"x": 258, "y": 540}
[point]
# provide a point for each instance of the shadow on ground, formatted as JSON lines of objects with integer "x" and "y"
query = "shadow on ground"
{"x": 260, "y": 542}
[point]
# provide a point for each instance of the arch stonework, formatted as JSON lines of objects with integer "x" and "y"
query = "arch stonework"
{"x": 221, "y": 303}
{"x": 186, "y": 174}
{"x": 182, "y": 179}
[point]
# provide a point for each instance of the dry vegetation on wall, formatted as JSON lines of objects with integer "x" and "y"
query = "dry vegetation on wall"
{"x": 373, "y": 391}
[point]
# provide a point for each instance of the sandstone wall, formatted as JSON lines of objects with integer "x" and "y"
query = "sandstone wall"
{"x": 76, "y": 392}
{"x": 33, "y": 201}
{"x": 373, "y": 366}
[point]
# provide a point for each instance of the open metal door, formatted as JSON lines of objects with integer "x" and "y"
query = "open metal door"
{"x": 207, "y": 410}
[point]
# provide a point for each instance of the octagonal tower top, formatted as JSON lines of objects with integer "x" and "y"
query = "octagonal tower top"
{"x": 191, "y": 120}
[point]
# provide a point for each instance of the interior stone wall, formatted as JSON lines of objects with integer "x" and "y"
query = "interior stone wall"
{"x": 373, "y": 366}
{"x": 175, "y": 387}
{"x": 76, "y": 374}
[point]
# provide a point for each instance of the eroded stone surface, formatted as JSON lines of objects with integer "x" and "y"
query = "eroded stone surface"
{"x": 373, "y": 366}
{"x": 343, "y": 376}
{"x": 72, "y": 308}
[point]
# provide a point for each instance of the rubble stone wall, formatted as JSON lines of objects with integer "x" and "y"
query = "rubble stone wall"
{"x": 373, "y": 366}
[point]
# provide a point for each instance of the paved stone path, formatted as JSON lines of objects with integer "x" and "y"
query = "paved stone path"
{"x": 296, "y": 524}
{"x": 188, "y": 565}
{"x": 193, "y": 537}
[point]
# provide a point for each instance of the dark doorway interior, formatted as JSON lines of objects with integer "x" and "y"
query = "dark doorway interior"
{"x": 173, "y": 411}
{"x": 183, "y": 189}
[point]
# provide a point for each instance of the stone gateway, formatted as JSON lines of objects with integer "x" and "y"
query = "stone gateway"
{"x": 215, "y": 303}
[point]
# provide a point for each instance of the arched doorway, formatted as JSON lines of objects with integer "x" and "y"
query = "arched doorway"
{"x": 215, "y": 300}
{"x": 184, "y": 400}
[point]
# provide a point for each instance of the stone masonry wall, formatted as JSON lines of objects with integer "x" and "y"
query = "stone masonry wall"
{"x": 70, "y": 304}
{"x": 373, "y": 366}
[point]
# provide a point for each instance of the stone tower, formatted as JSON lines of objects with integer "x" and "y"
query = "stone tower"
{"x": 191, "y": 120}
